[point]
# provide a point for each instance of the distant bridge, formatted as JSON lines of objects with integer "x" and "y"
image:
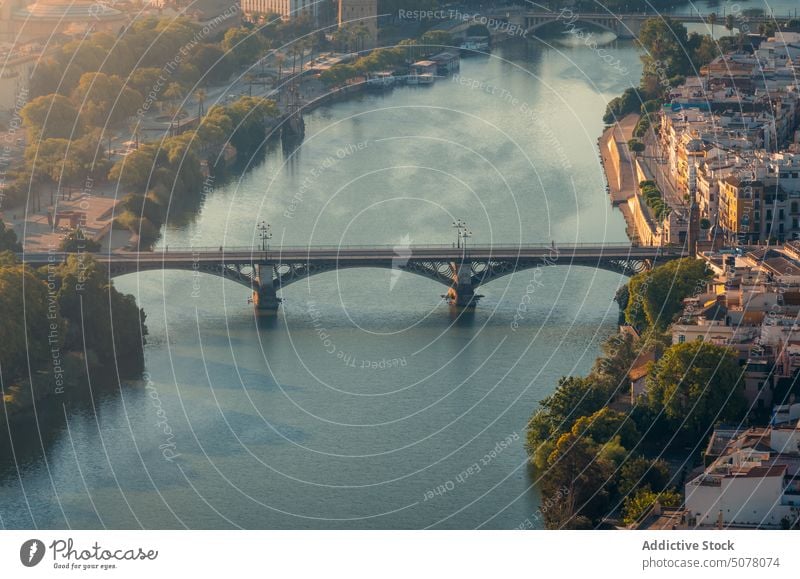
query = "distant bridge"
{"x": 625, "y": 25}
{"x": 462, "y": 271}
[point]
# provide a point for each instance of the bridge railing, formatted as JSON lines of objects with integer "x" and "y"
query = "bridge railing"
{"x": 336, "y": 247}
{"x": 206, "y": 252}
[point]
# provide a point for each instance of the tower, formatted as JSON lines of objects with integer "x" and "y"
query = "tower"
{"x": 694, "y": 217}
{"x": 361, "y": 18}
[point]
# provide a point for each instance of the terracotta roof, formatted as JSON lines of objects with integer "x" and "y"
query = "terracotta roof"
{"x": 641, "y": 365}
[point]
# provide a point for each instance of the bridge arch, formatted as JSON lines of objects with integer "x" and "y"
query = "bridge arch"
{"x": 483, "y": 273}
{"x": 242, "y": 274}
{"x": 608, "y": 25}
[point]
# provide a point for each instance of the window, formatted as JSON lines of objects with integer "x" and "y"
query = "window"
{"x": 681, "y": 338}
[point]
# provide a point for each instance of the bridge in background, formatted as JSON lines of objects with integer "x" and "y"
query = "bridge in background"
{"x": 462, "y": 271}
{"x": 625, "y": 25}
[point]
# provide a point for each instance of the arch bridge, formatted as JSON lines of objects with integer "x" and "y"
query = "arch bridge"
{"x": 626, "y": 25}
{"x": 461, "y": 271}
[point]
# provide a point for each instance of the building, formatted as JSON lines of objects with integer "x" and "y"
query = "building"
{"x": 752, "y": 306}
{"x": 40, "y": 20}
{"x": 18, "y": 63}
{"x": 361, "y": 16}
{"x": 751, "y": 483}
{"x": 286, "y": 9}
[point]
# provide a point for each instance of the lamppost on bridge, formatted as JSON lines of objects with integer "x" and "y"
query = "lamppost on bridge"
{"x": 459, "y": 225}
{"x": 464, "y": 236}
{"x": 264, "y": 234}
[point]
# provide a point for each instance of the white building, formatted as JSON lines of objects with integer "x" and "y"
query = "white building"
{"x": 752, "y": 484}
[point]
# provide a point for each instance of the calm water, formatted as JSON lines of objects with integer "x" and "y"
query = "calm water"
{"x": 365, "y": 394}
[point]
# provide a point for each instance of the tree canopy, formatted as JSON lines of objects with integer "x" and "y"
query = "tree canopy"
{"x": 696, "y": 385}
{"x": 656, "y": 296}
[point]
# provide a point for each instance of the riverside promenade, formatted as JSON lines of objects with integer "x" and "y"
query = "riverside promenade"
{"x": 619, "y": 167}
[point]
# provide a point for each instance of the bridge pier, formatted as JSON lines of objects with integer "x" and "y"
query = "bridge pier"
{"x": 462, "y": 293}
{"x": 265, "y": 296}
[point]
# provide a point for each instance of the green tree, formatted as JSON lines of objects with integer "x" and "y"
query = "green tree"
{"x": 76, "y": 241}
{"x": 8, "y": 239}
{"x": 573, "y": 398}
{"x": 640, "y": 472}
{"x": 606, "y": 424}
{"x": 636, "y": 146}
{"x": 436, "y": 40}
{"x": 618, "y": 354}
{"x": 51, "y": 116}
{"x": 643, "y": 499}
{"x": 578, "y": 477}
{"x": 104, "y": 100}
{"x": 245, "y": 46}
{"x": 25, "y": 331}
{"x": 696, "y": 385}
{"x": 101, "y": 321}
{"x": 655, "y": 297}
{"x": 666, "y": 43}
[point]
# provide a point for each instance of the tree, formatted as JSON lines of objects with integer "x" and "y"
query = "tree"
{"x": 51, "y": 116}
{"x": 573, "y": 398}
{"x": 712, "y": 20}
{"x": 606, "y": 424}
{"x": 173, "y": 93}
{"x": 244, "y": 46}
{"x": 640, "y": 472}
{"x": 730, "y": 22}
{"x": 436, "y": 39}
{"x": 200, "y": 95}
{"x": 104, "y": 100}
{"x": 636, "y": 146}
{"x": 618, "y": 354}
{"x": 212, "y": 61}
{"x": 76, "y": 242}
{"x": 25, "y": 331}
{"x": 642, "y": 501}
{"x": 666, "y": 42}
{"x": 630, "y": 102}
{"x": 655, "y": 297}
{"x": 578, "y": 477}
{"x": 8, "y": 239}
{"x": 695, "y": 385}
{"x": 101, "y": 321}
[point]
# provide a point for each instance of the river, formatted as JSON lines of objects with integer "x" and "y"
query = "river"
{"x": 365, "y": 403}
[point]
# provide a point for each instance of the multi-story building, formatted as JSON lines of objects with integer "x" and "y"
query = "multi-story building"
{"x": 286, "y": 9}
{"x": 753, "y": 483}
{"x": 752, "y": 307}
{"x": 360, "y": 16}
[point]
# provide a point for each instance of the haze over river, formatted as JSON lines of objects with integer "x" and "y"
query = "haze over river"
{"x": 365, "y": 402}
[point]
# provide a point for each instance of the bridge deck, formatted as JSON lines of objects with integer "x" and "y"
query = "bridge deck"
{"x": 277, "y": 255}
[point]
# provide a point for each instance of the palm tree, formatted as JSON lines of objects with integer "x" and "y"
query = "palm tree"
{"x": 136, "y": 132}
{"x": 279, "y": 59}
{"x": 730, "y": 22}
{"x": 712, "y": 20}
{"x": 200, "y": 95}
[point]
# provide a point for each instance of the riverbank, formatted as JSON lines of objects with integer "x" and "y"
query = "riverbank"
{"x": 620, "y": 169}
